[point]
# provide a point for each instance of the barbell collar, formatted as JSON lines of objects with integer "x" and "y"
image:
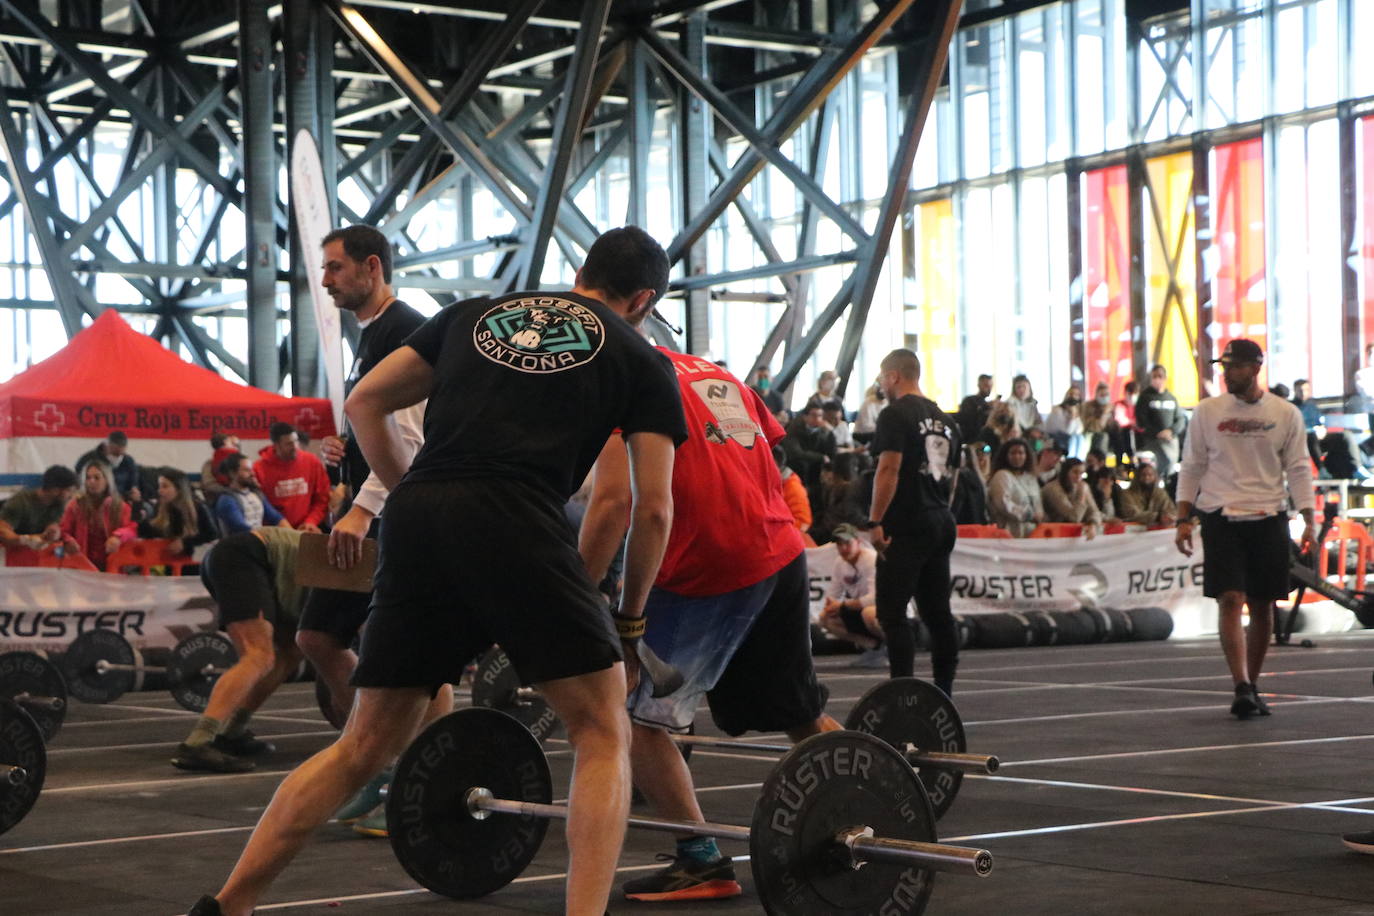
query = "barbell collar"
{"x": 14, "y": 776}
{"x": 54, "y": 704}
{"x": 863, "y": 846}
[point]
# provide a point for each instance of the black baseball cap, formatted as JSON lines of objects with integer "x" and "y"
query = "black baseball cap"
{"x": 1240, "y": 351}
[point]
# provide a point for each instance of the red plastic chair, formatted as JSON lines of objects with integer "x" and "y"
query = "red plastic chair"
{"x": 1057, "y": 530}
{"x": 145, "y": 554}
{"x": 983, "y": 531}
{"x": 1343, "y": 532}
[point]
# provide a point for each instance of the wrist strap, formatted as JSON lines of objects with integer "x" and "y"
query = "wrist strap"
{"x": 629, "y": 628}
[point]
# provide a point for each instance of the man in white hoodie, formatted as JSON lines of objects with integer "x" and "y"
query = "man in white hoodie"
{"x": 1241, "y": 447}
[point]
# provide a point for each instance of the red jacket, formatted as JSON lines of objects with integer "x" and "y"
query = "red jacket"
{"x": 91, "y": 538}
{"x": 298, "y": 488}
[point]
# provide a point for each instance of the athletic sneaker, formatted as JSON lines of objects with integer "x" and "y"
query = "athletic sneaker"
{"x": 366, "y": 801}
{"x": 1259, "y": 700}
{"x": 1360, "y": 842}
{"x": 871, "y": 658}
{"x": 208, "y": 757}
{"x": 1245, "y": 705}
{"x": 372, "y": 825}
{"x": 205, "y": 906}
{"x": 246, "y": 744}
{"x": 686, "y": 879}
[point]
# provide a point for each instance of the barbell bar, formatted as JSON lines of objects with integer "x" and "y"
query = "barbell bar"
{"x": 843, "y": 822}
{"x": 968, "y": 763}
{"x": 14, "y": 776}
{"x": 36, "y": 684}
{"x": 101, "y": 666}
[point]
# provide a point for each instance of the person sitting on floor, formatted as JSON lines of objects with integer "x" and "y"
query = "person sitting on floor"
{"x": 242, "y": 507}
{"x": 180, "y": 516}
{"x": 1068, "y": 499}
{"x": 850, "y": 612}
{"x": 1013, "y": 492}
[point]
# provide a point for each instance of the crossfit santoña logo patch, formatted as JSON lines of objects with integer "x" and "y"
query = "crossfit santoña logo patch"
{"x": 539, "y": 334}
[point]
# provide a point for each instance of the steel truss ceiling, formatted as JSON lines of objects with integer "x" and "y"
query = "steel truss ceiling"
{"x": 526, "y": 100}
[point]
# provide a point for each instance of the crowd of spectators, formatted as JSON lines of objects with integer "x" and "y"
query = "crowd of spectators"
{"x": 110, "y": 500}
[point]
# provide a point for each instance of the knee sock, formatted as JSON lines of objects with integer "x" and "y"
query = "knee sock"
{"x": 698, "y": 849}
{"x": 237, "y": 723}
{"x": 204, "y": 732}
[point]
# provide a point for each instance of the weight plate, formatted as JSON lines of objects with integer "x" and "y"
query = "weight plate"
{"x": 21, "y": 745}
{"x": 909, "y": 710}
{"x": 496, "y": 685}
{"x": 186, "y": 679}
{"x": 435, "y": 838}
{"x": 86, "y": 683}
{"x": 829, "y": 783}
{"x": 30, "y": 673}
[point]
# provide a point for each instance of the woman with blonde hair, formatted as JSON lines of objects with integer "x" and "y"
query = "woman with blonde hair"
{"x": 97, "y": 521}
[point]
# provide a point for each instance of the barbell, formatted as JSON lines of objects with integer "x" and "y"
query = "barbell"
{"x": 37, "y": 685}
{"x": 843, "y": 823}
{"x": 101, "y": 666}
{"x": 23, "y": 763}
{"x": 912, "y": 715}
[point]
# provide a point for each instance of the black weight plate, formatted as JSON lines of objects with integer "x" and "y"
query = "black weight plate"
{"x": 495, "y": 685}
{"x": 21, "y": 745}
{"x": 1042, "y": 628}
{"x": 1072, "y": 628}
{"x": 1001, "y": 631}
{"x": 1150, "y": 623}
{"x": 908, "y": 710}
{"x": 434, "y": 836}
{"x": 190, "y": 657}
{"x": 79, "y": 661}
{"x": 32, "y": 674}
{"x": 828, "y": 783}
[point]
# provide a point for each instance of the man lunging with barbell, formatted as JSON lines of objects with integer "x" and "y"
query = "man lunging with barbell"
{"x": 730, "y": 608}
{"x": 476, "y": 548}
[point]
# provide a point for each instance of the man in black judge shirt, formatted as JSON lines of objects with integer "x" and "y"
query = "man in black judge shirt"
{"x": 918, "y": 459}
{"x": 524, "y": 391}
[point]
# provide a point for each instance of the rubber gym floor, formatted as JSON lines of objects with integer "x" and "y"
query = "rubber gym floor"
{"x": 1125, "y": 788}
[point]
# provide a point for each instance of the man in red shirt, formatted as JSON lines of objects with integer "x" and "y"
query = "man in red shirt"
{"x": 730, "y": 607}
{"x": 293, "y": 480}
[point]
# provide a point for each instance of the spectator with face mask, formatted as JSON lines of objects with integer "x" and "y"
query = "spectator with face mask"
{"x": 1162, "y": 421}
{"x": 1097, "y": 416}
{"x": 1145, "y": 502}
{"x": 1064, "y": 424}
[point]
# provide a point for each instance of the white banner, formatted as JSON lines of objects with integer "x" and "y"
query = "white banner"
{"x": 1019, "y": 574}
{"x": 45, "y": 609}
{"x": 310, "y": 204}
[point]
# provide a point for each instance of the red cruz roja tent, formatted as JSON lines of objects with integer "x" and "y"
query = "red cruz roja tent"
{"x": 110, "y": 377}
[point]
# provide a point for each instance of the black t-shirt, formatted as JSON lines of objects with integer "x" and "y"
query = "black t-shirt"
{"x": 927, "y": 438}
{"x": 530, "y": 385}
{"x": 387, "y": 331}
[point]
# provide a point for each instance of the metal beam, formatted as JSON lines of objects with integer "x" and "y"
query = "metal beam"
{"x": 260, "y": 165}
{"x": 64, "y": 289}
{"x": 805, "y": 97}
{"x": 929, "y": 67}
{"x": 567, "y": 130}
{"x": 775, "y": 269}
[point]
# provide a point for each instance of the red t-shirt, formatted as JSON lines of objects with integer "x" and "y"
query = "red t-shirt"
{"x": 731, "y": 525}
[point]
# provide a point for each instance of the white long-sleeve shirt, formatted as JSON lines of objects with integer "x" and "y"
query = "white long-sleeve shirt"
{"x": 1238, "y": 455}
{"x": 410, "y": 422}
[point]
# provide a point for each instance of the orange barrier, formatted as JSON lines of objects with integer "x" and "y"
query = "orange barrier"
{"x": 983, "y": 531}
{"x": 1114, "y": 527}
{"x": 49, "y": 558}
{"x": 145, "y": 554}
{"x": 1057, "y": 530}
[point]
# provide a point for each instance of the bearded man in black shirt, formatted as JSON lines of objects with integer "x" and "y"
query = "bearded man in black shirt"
{"x": 918, "y": 460}
{"x": 519, "y": 408}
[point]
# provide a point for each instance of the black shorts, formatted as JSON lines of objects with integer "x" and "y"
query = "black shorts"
{"x": 240, "y": 579}
{"x": 339, "y": 613}
{"x": 463, "y": 564}
{"x": 770, "y": 683}
{"x": 1250, "y": 557}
